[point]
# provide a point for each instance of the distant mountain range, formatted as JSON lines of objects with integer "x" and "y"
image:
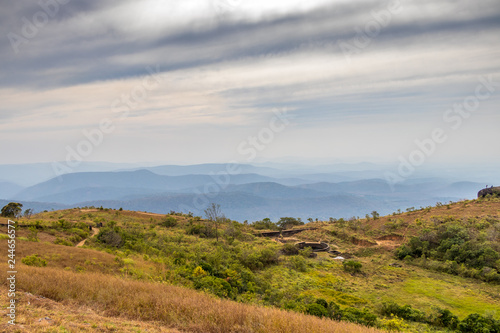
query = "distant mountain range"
{"x": 253, "y": 193}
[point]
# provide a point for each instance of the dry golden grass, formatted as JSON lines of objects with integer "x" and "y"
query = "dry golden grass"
{"x": 38, "y": 314}
{"x": 169, "y": 306}
{"x": 462, "y": 209}
{"x": 59, "y": 256}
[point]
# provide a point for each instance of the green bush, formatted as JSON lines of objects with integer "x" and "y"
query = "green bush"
{"x": 394, "y": 324}
{"x": 406, "y": 312}
{"x": 33, "y": 234}
{"x": 110, "y": 237}
{"x": 195, "y": 229}
{"x": 322, "y": 302}
{"x": 317, "y": 310}
{"x": 298, "y": 263}
{"x": 290, "y": 249}
{"x": 62, "y": 241}
{"x": 265, "y": 224}
{"x": 445, "y": 318}
{"x": 169, "y": 221}
{"x": 255, "y": 259}
{"x": 362, "y": 317}
{"x": 34, "y": 260}
{"x": 458, "y": 247}
{"x": 476, "y": 323}
{"x": 352, "y": 266}
{"x": 214, "y": 285}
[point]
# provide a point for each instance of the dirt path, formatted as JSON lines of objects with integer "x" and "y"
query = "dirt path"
{"x": 94, "y": 230}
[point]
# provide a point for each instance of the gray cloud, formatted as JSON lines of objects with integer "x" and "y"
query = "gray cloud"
{"x": 67, "y": 52}
{"x": 223, "y": 76}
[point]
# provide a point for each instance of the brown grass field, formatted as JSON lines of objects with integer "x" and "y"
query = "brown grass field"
{"x": 168, "y": 307}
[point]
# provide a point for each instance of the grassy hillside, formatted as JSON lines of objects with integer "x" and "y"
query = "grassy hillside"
{"x": 171, "y": 271}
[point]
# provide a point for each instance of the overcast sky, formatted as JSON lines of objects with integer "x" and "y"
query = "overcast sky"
{"x": 193, "y": 81}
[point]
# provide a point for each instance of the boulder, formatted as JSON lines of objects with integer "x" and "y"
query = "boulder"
{"x": 494, "y": 191}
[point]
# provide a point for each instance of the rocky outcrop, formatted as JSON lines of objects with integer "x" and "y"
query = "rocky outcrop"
{"x": 493, "y": 191}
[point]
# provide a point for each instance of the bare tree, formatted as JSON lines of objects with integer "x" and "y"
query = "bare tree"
{"x": 28, "y": 213}
{"x": 214, "y": 214}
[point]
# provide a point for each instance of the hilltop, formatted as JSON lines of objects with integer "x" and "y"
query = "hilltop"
{"x": 430, "y": 268}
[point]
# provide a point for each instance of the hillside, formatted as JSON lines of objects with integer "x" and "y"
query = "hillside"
{"x": 169, "y": 273}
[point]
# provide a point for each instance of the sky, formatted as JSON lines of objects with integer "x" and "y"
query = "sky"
{"x": 184, "y": 82}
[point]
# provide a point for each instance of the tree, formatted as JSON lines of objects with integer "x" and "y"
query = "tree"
{"x": 287, "y": 222}
{"x": 215, "y": 216}
{"x": 12, "y": 209}
{"x": 28, "y": 213}
{"x": 375, "y": 215}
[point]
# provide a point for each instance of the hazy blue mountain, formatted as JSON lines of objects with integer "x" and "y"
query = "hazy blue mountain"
{"x": 120, "y": 184}
{"x": 275, "y": 190}
{"x": 97, "y": 193}
{"x": 245, "y": 196}
{"x": 463, "y": 190}
{"x": 212, "y": 168}
{"x": 359, "y": 186}
{"x": 9, "y": 190}
{"x": 243, "y": 206}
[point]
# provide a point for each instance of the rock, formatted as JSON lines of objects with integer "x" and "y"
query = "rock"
{"x": 494, "y": 191}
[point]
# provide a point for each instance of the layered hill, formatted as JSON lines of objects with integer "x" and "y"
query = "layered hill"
{"x": 243, "y": 195}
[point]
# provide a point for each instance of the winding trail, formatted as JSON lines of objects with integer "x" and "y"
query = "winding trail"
{"x": 94, "y": 230}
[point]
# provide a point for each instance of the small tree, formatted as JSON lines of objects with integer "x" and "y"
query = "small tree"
{"x": 287, "y": 222}
{"x": 28, "y": 213}
{"x": 12, "y": 209}
{"x": 375, "y": 215}
{"x": 215, "y": 216}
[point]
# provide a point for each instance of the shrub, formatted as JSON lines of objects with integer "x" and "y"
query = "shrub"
{"x": 264, "y": 224}
{"x": 457, "y": 247}
{"x": 317, "y": 310}
{"x": 33, "y": 235}
{"x": 257, "y": 259}
{"x": 195, "y": 229}
{"x": 62, "y": 241}
{"x": 298, "y": 263}
{"x": 169, "y": 222}
{"x": 476, "y": 323}
{"x": 335, "y": 311}
{"x": 406, "y": 312}
{"x": 198, "y": 271}
{"x": 110, "y": 237}
{"x": 307, "y": 252}
{"x": 445, "y": 318}
{"x": 34, "y": 260}
{"x": 322, "y": 302}
{"x": 352, "y": 266}
{"x": 289, "y": 249}
{"x": 363, "y": 317}
{"x": 394, "y": 324}
{"x": 214, "y": 285}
